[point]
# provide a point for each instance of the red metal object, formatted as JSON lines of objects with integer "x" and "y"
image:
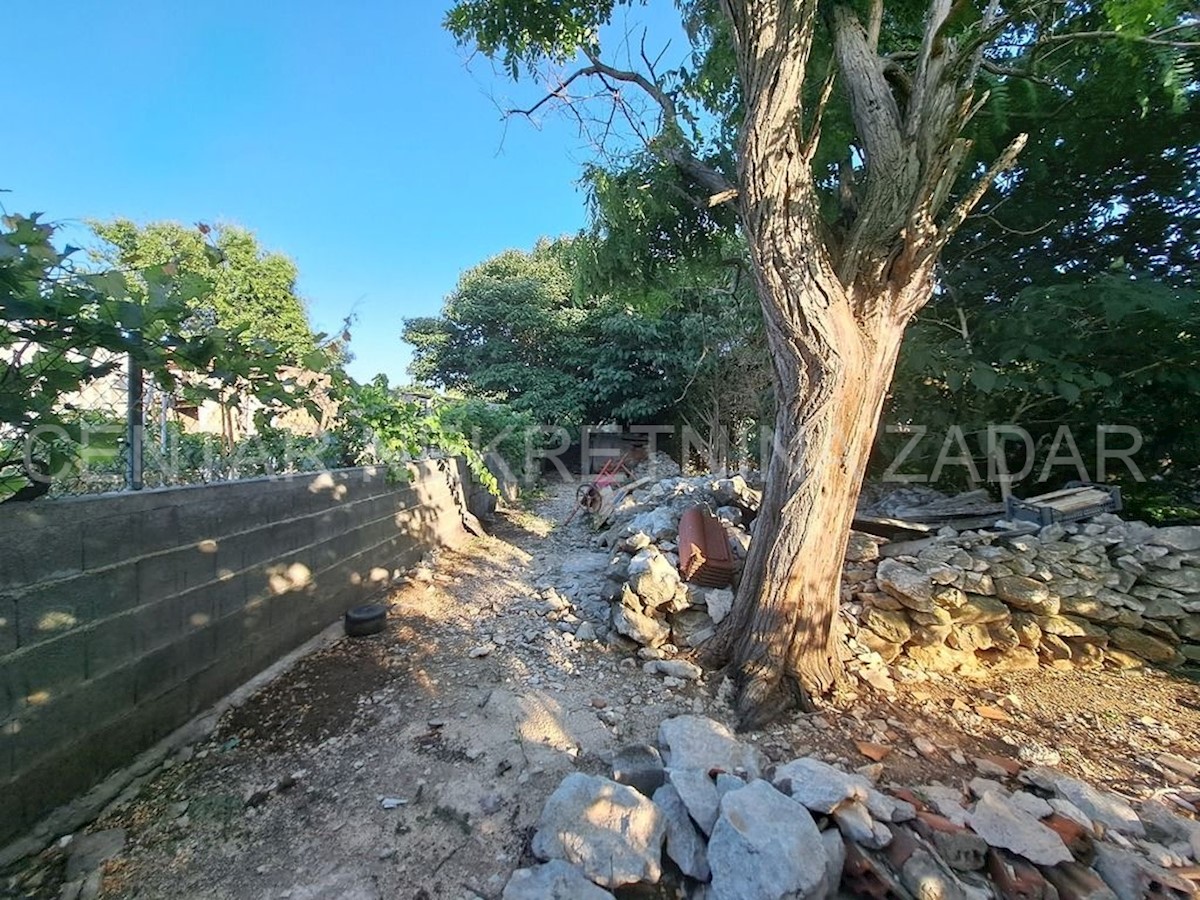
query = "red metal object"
{"x": 704, "y": 555}
{"x": 591, "y": 496}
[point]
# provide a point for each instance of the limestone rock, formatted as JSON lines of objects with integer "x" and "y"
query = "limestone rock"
{"x": 1144, "y": 645}
{"x": 690, "y": 627}
{"x": 1003, "y": 825}
{"x": 819, "y": 786}
{"x": 765, "y": 845}
{"x": 893, "y": 627}
{"x": 1027, "y": 594}
{"x": 1179, "y": 538}
{"x": 555, "y": 880}
{"x": 609, "y": 830}
{"x": 653, "y": 578}
{"x": 835, "y": 858}
{"x": 696, "y": 742}
{"x": 685, "y": 844}
{"x": 719, "y": 602}
{"x": 1185, "y": 580}
{"x": 659, "y": 524}
{"x": 678, "y": 668}
{"x": 1101, "y": 806}
{"x": 699, "y": 794}
{"x": 981, "y": 610}
{"x": 644, "y": 629}
{"x": 1132, "y": 877}
{"x": 863, "y": 547}
{"x": 854, "y": 821}
{"x": 906, "y": 584}
{"x": 939, "y": 658}
{"x": 1088, "y": 608}
{"x": 1071, "y": 627}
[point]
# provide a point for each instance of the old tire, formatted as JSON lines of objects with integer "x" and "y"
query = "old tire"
{"x": 363, "y": 620}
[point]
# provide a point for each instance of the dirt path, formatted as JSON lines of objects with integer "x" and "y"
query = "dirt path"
{"x": 413, "y": 764}
{"x": 399, "y": 765}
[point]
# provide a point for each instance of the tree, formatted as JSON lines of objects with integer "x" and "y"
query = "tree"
{"x": 555, "y": 333}
{"x": 510, "y": 331}
{"x": 1055, "y": 289}
{"x": 844, "y": 227}
{"x": 61, "y": 329}
{"x": 251, "y": 292}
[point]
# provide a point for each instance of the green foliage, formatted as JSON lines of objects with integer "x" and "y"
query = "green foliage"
{"x": 521, "y": 32}
{"x": 65, "y": 329}
{"x": 1070, "y": 297}
{"x": 497, "y": 427}
{"x": 380, "y": 425}
{"x": 510, "y": 331}
{"x": 238, "y": 286}
{"x": 1073, "y": 354}
{"x": 539, "y": 331}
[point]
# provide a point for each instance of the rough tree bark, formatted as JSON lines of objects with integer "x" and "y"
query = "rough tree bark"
{"x": 835, "y": 309}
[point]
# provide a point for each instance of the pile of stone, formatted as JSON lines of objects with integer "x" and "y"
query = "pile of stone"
{"x": 1100, "y": 592}
{"x": 706, "y": 812}
{"x": 653, "y": 607}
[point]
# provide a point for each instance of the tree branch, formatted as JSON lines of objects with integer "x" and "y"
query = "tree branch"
{"x": 720, "y": 190}
{"x": 962, "y": 209}
{"x": 875, "y": 25}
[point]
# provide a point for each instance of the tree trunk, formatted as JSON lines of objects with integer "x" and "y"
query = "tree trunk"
{"x": 782, "y": 634}
{"x": 835, "y": 304}
{"x": 834, "y": 331}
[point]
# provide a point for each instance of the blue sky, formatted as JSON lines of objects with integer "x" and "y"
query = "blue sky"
{"x": 352, "y": 137}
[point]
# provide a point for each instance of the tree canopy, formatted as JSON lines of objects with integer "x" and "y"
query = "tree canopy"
{"x": 249, "y": 291}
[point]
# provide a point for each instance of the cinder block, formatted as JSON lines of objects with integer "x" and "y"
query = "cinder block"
{"x": 51, "y": 668}
{"x": 112, "y": 591}
{"x": 158, "y": 624}
{"x": 52, "y": 609}
{"x": 63, "y": 720}
{"x": 275, "y": 541}
{"x": 13, "y": 820}
{"x": 10, "y": 690}
{"x": 167, "y": 667}
{"x": 229, "y": 595}
{"x": 209, "y": 685}
{"x": 126, "y": 534}
{"x": 174, "y": 572}
{"x": 198, "y": 607}
{"x": 235, "y": 632}
{"x": 30, "y": 554}
{"x": 114, "y": 744}
{"x": 164, "y": 713}
{"x": 8, "y": 625}
{"x": 111, "y": 644}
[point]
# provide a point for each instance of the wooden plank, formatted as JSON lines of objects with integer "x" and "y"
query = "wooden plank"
{"x": 864, "y": 523}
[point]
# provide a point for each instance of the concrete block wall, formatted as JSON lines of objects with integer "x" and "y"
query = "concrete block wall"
{"x": 124, "y": 615}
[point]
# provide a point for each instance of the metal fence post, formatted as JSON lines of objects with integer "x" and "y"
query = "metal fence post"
{"x": 136, "y": 423}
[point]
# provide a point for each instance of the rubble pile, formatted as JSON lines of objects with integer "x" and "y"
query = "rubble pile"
{"x": 1100, "y": 592}
{"x": 652, "y": 606}
{"x": 708, "y": 814}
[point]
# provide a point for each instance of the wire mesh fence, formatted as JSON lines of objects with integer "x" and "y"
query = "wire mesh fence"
{"x": 131, "y": 433}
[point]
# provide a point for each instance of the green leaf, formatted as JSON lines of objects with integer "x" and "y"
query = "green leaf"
{"x": 984, "y": 377}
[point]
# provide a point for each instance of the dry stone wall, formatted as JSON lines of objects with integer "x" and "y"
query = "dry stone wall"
{"x": 1100, "y": 592}
{"x": 1104, "y": 592}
